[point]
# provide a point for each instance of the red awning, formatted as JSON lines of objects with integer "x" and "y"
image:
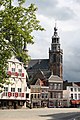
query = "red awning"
{"x": 75, "y": 101}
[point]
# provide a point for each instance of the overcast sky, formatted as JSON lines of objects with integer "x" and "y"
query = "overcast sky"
{"x": 67, "y": 16}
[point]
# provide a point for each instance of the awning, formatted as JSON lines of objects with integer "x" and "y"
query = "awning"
{"x": 75, "y": 101}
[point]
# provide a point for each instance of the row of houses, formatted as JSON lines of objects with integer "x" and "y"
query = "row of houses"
{"x": 54, "y": 92}
{"x": 40, "y": 92}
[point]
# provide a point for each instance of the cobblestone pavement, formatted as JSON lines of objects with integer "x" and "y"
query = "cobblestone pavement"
{"x": 41, "y": 114}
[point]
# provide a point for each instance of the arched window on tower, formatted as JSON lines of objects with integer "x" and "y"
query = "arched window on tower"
{"x": 54, "y": 57}
{"x": 61, "y": 59}
{"x": 53, "y": 40}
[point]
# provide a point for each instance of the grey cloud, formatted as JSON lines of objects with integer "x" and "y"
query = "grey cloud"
{"x": 72, "y": 56}
{"x": 50, "y": 8}
{"x": 43, "y": 4}
{"x": 77, "y": 1}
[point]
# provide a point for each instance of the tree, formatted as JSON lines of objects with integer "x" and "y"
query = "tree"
{"x": 16, "y": 26}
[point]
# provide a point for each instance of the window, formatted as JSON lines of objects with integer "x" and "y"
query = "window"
{"x": 53, "y": 40}
{"x": 79, "y": 96}
{"x": 12, "y": 89}
{"x": 20, "y": 72}
{"x": 54, "y": 57}
{"x": 55, "y": 86}
{"x": 75, "y": 96}
{"x": 10, "y": 64}
{"x": 19, "y": 90}
{"x": 27, "y": 95}
{"x": 51, "y": 95}
{"x": 71, "y": 96}
{"x": 26, "y": 88}
{"x": 54, "y": 48}
{"x": 71, "y": 89}
{"x": 57, "y": 40}
{"x": 61, "y": 59}
{"x": 42, "y": 95}
{"x": 59, "y": 86}
{"x": 59, "y": 95}
{"x": 46, "y": 95}
{"x": 34, "y": 95}
{"x": 13, "y": 69}
{"x": 6, "y": 91}
{"x": 38, "y": 95}
{"x": 75, "y": 89}
{"x": 79, "y": 89}
{"x": 51, "y": 86}
{"x": 5, "y": 88}
{"x": 31, "y": 96}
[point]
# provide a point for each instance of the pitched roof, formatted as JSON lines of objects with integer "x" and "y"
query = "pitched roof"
{"x": 38, "y": 75}
{"x": 55, "y": 78}
{"x": 38, "y": 64}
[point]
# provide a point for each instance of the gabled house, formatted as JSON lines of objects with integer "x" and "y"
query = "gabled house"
{"x": 73, "y": 93}
{"x": 39, "y": 90}
{"x": 55, "y": 91}
{"x": 14, "y": 94}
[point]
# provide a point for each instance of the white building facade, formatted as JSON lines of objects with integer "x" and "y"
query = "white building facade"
{"x": 14, "y": 94}
{"x": 74, "y": 92}
{"x": 74, "y": 95}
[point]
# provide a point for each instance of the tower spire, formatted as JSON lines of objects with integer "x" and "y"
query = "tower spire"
{"x": 55, "y": 29}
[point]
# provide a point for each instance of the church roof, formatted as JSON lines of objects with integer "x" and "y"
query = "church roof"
{"x": 55, "y": 78}
{"x": 38, "y": 64}
{"x": 39, "y": 75}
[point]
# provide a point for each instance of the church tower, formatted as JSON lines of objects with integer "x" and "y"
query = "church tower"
{"x": 56, "y": 55}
